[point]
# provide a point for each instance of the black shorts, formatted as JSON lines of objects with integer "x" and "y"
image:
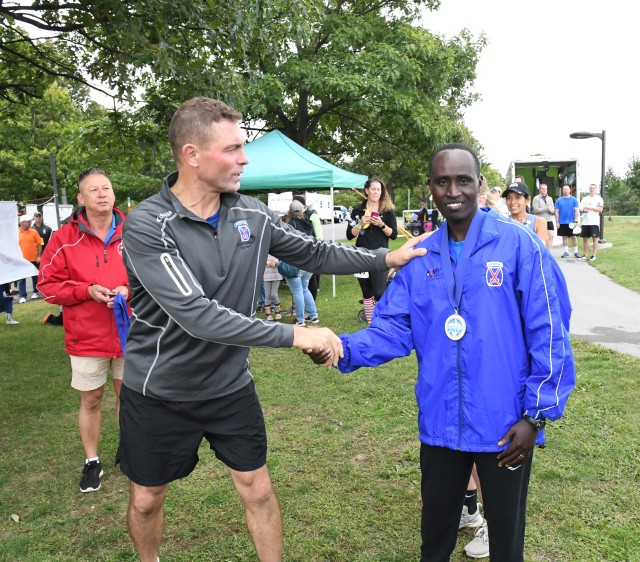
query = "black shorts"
{"x": 590, "y": 231}
{"x": 564, "y": 230}
{"x": 159, "y": 440}
{"x": 550, "y": 225}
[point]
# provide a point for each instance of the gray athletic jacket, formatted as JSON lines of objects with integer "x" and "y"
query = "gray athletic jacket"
{"x": 194, "y": 291}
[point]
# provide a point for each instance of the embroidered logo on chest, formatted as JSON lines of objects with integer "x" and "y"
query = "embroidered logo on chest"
{"x": 243, "y": 230}
{"x": 494, "y": 274}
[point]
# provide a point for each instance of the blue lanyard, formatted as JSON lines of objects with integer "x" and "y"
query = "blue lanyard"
{"x": 455, "y": 282}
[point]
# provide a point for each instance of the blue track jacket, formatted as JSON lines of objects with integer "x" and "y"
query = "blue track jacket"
{"x": 515, "y": 357}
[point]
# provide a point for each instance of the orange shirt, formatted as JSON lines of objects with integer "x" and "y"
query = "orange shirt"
{"x": 29, "y": 241}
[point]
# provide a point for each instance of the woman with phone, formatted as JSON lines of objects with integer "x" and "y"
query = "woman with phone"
{"x": 372, "y": 224}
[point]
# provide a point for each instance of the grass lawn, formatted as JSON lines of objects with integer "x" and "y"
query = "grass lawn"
{"x": 621, "y": 262}
{"x": 343, "y": 456}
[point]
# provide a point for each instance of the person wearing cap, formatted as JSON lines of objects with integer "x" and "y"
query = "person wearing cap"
{"x": 482, "y": 275}
{"x": 517, "y": 197}
{"x": 44, "y": 230}
{"x": 567, "y": 214}
{"x": 82, "y": 270}
{"x": 542, "y": 206}
{"x": 31, "y": 248}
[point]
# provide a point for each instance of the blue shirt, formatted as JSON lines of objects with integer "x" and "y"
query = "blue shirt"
{"x": 213, "y": 220}
{"x": 566, "y": 206}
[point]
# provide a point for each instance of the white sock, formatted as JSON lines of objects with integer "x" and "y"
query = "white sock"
{"x": 566, "y": 249}
{"x": 93, "y": 459}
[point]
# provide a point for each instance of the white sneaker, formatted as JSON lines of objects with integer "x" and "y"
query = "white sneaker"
{"x": 10, "y": 320}
{"x": 22, "y": 300}
{"x": 468, "y": 520}
{"x": 479, "y": 546}
{"x": 35, "y": 296}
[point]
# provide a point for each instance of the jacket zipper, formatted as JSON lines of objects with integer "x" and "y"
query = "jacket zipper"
{"x": 221, "y": 269}
{"x": 459, "y": 398}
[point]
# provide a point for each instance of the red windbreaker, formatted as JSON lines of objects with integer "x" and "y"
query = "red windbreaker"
{"x": 74, "y": 259}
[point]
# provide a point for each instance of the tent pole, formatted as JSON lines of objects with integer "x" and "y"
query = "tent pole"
{"x": 333, "y": 239}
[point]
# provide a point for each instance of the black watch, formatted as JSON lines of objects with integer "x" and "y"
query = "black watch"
{"x": 537, "y": 424}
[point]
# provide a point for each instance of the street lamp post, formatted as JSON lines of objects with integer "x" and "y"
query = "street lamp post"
{"x": 603, "y": 137}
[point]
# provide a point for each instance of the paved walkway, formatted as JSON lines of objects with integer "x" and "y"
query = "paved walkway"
{"x": 604, "y": 312}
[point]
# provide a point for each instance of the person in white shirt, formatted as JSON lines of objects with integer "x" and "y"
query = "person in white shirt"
{"x": 591, "y": 206}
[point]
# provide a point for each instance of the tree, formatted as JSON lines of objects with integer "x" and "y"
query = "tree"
{"x": 118, "y": 46}
{"x": 127, "y": 144}
{"x": 365, "y": 87}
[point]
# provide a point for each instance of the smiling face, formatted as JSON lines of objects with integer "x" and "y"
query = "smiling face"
{"x": 454, "y": 184}
{"x": 517, "y": 204}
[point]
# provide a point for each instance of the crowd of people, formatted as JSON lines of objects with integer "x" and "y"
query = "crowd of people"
{"x": 197, "y": 269}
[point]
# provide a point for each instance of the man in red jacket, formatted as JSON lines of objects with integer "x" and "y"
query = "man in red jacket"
{"x": 82, "y": 269}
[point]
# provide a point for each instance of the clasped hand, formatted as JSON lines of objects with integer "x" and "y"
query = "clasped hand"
{"x": 321, "y": 344}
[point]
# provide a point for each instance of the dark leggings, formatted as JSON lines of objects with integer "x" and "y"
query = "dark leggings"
{"x": 445, "y": 475}
{"x": 375, "y": 285}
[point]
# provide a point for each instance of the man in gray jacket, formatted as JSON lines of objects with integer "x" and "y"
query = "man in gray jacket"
{"x": 542, "y": 206}
{"x": 195, "y": 255}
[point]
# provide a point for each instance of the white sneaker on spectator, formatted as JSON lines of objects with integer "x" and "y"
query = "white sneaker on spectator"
{"x": 479, "y": 546}
{"x": 22, "y": 300}
{"x": 468, "y": 520}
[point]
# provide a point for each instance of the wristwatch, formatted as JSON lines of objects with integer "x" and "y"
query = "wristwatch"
{"x": 537, "y": 424}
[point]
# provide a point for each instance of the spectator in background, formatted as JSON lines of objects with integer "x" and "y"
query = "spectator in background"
{"x": 423, "y": 216}
{"x": 31, "y": 248}
{"x": 372, "y": 224}
{"x": 303, "y": 299}
{"x": 82, "y": 270}
{"x": 591, "y": 207}
{"x": 517, "y": 196}
{"x": 567, "y": 212}
{"x": 271, "y": 284}
{"x": 311, "y": 215}
{"x": 542, "y": 206}
{"x": 44, "y": 230}
{"x": 6, "y": 306}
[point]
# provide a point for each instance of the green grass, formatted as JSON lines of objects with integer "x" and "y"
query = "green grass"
{"x": 621, "y": 262}
{"x": 343, "y": 454}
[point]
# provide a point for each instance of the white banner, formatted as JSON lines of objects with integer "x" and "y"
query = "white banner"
{"x": 12, "y": 265}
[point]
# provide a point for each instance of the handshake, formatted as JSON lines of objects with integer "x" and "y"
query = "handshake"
{"x": 320, "y": 344}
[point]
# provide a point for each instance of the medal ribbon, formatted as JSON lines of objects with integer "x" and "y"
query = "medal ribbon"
{"x": 455, "y": 283}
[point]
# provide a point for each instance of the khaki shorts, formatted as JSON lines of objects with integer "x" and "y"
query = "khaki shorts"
{"x": 89, "y": 373}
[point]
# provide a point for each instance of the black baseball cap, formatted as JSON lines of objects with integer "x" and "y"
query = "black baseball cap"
{"x": 517, "y": 187}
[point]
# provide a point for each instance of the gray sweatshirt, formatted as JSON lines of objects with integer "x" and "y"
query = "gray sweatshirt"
{"x": 195, "y": 288}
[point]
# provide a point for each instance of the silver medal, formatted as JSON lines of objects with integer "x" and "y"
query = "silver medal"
{"x": 455, "y": 327}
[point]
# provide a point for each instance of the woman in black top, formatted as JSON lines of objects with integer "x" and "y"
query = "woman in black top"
{"x": 373, "y": 224}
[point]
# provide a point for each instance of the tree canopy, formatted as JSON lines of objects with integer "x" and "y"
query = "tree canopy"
{"x": 359, "y": 82}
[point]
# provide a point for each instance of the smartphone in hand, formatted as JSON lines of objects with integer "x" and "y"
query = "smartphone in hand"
{"x": 375, "y": 214}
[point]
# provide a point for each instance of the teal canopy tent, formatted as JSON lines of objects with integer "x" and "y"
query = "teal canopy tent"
{"x": 276, "y": 163}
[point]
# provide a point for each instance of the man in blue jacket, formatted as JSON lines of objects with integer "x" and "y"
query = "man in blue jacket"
{"x": 487, "y": 311}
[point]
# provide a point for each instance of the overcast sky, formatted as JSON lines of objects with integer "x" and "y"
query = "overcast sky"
{"x": 552, "y": 67}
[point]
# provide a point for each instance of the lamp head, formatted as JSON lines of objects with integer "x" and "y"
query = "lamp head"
{"x": 585, "y": 135}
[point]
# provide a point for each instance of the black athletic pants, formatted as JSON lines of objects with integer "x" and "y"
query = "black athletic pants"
{"x": 445, "y": 475}
{"x": 375, "y": 285}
